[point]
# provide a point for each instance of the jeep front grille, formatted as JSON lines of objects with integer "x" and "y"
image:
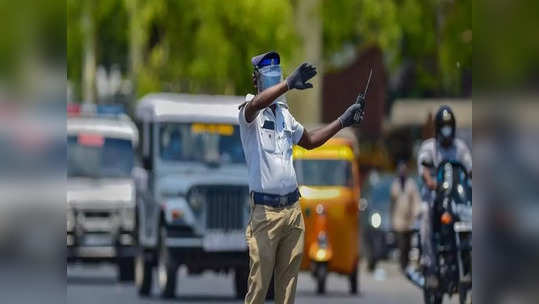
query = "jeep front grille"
{"x": 225, "y": 207}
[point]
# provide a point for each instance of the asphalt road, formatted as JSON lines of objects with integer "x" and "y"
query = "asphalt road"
{"x": 97, "y": 284}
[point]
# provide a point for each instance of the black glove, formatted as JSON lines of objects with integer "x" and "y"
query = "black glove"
{"x": 354, "y": 114}
{"x": 298, "y": 79}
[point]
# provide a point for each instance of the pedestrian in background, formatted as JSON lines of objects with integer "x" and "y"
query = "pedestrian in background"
{"x": 275, "y": 232}
{"x": 405, "y": 207}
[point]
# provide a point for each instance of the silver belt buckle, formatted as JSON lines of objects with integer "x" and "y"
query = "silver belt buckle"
{"x": 283, "y": 200}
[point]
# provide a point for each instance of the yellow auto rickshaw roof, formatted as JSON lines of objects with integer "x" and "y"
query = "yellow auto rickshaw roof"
{"x": 335, "y": 148}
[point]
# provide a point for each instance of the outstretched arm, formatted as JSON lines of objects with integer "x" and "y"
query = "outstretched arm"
{"x": 352, "y": 115}
{"x": 312, "y": 139}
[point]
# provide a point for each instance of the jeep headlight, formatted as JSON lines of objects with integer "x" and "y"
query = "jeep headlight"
{"x": 196, "y": 199}
{"x": 128, "y": 218}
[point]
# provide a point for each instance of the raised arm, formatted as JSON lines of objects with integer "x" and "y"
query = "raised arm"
{"x": 264, "y": 99}
{"x": 312, "y": 139}
{"x": 297, "y": 80}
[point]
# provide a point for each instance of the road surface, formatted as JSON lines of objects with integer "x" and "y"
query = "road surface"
{"x": 97, "y": 284}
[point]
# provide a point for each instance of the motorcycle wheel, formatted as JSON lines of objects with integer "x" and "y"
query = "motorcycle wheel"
{"x": 354, "y": 280}
{"x": 432, "y": 297}
{"x": 321, "y": 273}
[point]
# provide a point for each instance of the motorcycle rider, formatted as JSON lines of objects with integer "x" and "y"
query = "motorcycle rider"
{"x": 434, "y": 151}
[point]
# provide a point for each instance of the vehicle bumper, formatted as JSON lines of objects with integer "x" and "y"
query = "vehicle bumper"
{"x": 117, "y": 248}
{"x": 195, "y": 254}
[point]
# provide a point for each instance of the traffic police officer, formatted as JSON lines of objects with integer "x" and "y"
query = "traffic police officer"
{"x": 268, "y": 132}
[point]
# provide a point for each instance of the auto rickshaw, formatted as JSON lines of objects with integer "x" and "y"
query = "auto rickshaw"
{"x": 328, "y": 179}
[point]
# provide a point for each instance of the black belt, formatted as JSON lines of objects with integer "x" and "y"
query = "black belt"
{"x": 275, "y": 200}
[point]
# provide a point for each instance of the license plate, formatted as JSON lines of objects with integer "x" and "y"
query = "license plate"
{"x": 97, "y": 240}
{"x": 463, "y": 226}
{"x": 224, "y": 241}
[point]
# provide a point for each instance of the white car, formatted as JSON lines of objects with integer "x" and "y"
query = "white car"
{"x": 101, "y": 190}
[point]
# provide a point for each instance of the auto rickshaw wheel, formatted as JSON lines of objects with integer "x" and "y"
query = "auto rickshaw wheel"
{"x": 354, "y": 280}
{"x": 321, "y": 273}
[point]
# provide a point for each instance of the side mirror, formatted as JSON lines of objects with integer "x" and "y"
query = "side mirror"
{"x": 147, "y": 163}
{"x": 363, "y": 203}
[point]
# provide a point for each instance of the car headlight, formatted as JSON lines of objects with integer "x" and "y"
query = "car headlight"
{"x": 376, "y": 220}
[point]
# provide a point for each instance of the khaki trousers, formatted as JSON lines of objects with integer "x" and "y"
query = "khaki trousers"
{"x": 275, "y": 240}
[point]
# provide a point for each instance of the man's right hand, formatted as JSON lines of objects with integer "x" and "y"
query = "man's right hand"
{"x": 298, "y": 79}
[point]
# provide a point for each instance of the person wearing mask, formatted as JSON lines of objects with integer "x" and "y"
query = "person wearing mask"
{"x": 268, "y": 131}
{"x": 433, "y": 151}
{"x": 404, "y": 208}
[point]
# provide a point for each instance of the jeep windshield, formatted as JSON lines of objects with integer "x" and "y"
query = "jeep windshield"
{"x": 323, "y": 172}
{"x": 92, "y": 155}
{"x": 200, "y": 142}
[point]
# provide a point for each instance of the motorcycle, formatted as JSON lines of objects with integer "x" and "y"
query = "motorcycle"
{"x": 451, "y": 237}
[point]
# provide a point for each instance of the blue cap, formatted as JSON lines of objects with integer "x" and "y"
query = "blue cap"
{"x": 266, "y": 59}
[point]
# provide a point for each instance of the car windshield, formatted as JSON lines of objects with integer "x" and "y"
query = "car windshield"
{"x": 199, "y": 142}
{"x": 323, "y": 172}
{"x": 91, "y": 155}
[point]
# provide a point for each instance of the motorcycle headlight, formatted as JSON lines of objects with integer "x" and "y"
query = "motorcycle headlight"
{"x": 376, "y": 220}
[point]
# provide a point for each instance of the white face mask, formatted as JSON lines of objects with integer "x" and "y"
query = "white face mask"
{"x": 446, "y": 131}
{"x": 269, "y": 76}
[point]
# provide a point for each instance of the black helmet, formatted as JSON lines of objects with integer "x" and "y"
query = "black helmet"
{"x": 445, "y": 124}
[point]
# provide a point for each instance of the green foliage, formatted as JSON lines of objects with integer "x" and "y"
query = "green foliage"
{"x": 433, "y": 35}
{"x": 109, "y": 17}
{"x": 205, "y": 46}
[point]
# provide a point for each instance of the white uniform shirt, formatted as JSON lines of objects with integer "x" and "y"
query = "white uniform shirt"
{"x": 434, "y": 153}
{"x": 267, "y": 143}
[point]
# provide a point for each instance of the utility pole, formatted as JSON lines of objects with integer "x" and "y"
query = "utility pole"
{"x": 89, "y": 57}
{"x": 306, "y": 105}
{"x": 136, "y": 38}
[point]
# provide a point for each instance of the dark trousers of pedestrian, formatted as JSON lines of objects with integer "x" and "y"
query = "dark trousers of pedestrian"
{"x": 403, "y": 242}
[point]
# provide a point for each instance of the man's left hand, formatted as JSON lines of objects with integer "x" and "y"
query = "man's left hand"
{"x": 355, "y": 113}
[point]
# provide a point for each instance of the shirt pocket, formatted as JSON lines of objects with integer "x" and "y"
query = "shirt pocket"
{"x": 288, "y": 141}
{"x": 267, "y": 139}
